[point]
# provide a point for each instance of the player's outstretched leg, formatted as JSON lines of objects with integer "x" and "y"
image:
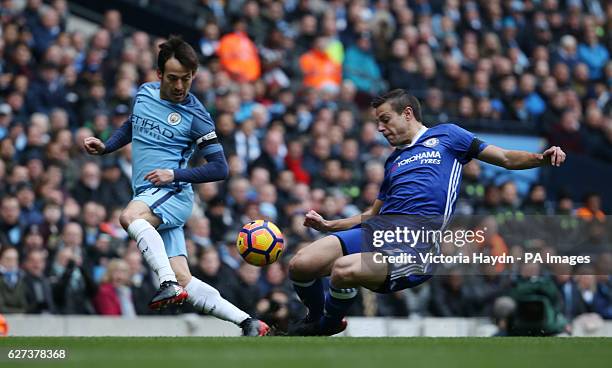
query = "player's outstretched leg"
{"x": 348, "y": 273}
{"x": 207, "y": 299}
{"x": 305, "y": 271}
{"x": 139, "y": 222}
{"x": 312, "y": 295}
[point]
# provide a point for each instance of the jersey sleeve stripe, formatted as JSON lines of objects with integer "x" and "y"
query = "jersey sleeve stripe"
{"x": 454, "y": 191}
{"x": 448, "y": 189}
{"x": 452, "y": 186}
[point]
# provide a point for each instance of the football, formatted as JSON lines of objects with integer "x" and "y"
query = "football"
{"x": 260, "y": 242}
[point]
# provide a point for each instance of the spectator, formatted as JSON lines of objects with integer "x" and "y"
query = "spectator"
{"x": 210, "y": 270}
{"x": 319, "y": 69}
{"x": 591, "y": 209}
{"x": 141, "y": 280}
{"x": 39, "y": 292}
{"x": 209, "y": 42}
{"x": 573, "y": 303}
{"x": 503, "y": 311}
{"x": 46, "y": 30}
{"x": 73, "y": 288}
{"x": 275, "y": 278}
{"x": 247, "y": 291}
{"x": 566, "y": 53}
{"x": 594, "y": 54}
{"x": 450, "y": 297}
{"x": 114, "y": 297}
{"x": 274, "y": 309}
{"x": 13, "y": 287}
{"x": 536, "y": 202}
{"x": 247, "y": 144}
{"x": 47, "y": 91}
{"x": 115, "y": 187}
{"x": 238, "y": 54}
{"x": 592, "y": 132}
{"x": 392, "y": 305}
{"x": 361, "y": 67}
{"x": 273, "y": 155}
{"x": 87, "y": 188}
{"x": 565, "y": 132}
{"x": 113, "y": 24}
{"x": 199, "y": 232}
{"x": 595, "y": 297}
{"x": 11, "y": 229}
{"x": 538, "y": 304}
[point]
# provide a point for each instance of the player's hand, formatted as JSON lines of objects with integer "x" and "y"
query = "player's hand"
{"x": 554, "y": 155}
{"x": 160, "y": 176}
{"x": 314, "y": 220}
{"x": 94, "y": 146}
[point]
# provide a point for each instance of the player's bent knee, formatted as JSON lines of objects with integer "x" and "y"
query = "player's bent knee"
{"x": 130, "y": 215}
{"x": 297, "y": 266}
{"x": 302, "y": 268}
{"x": 126, "y": 218}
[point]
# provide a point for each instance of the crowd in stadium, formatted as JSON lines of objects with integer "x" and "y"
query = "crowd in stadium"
{"x": 288, "y": 85}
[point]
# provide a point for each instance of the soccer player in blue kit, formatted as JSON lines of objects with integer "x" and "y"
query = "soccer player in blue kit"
{"x": 422, "y": 177}
{"x": 166, "y": 126}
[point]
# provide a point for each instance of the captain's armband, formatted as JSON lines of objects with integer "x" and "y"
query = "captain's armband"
{"x": 207, "y": 140}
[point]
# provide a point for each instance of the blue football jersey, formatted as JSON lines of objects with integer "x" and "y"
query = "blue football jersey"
{"x": 165, "y": 134}
{"x": 423, "y": 178}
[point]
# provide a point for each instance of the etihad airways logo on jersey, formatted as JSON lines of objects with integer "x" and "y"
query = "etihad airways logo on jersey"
{"x": 151, "y": 127}
{"x": 427, "y": 157}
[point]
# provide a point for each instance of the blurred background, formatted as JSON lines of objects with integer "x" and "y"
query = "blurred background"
{"x": 289, "y": 84}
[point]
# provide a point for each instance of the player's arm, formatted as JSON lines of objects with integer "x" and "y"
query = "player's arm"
{"x": 520, "y": 160}
{"x": 118, "y": 139}
{"x": 215, "y": 168}
{"x": 317, "y": 222}
{"x": 205, "y": 138}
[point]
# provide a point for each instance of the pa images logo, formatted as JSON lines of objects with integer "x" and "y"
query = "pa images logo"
{"x": 174, "y": 118}
{"x": 431, "y": 142}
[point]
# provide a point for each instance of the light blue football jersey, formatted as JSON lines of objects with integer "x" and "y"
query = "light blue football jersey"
{"x": 165, "y": 134}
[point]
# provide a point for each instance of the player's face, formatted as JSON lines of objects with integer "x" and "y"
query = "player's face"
{"x": 392, "y": 125}
{"x": 175, "y": 81}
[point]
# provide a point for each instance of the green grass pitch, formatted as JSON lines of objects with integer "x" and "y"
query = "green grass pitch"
{"x": 293, "y": 352}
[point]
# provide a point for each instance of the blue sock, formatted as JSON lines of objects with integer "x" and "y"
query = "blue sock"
{"x": 312, "y": 295}
{"x": 337, "y": 304}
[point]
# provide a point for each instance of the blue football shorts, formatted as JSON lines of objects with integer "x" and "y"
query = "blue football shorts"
{"x": 400, "y": 276}
{"x": 173, "y": 207}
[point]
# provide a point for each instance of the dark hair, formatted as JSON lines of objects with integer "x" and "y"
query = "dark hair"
{"x": 179, "y": 49}
{"x": 6, "y": 249}
{"x": 588, "y": 195}
{"x": 399, "y": 99}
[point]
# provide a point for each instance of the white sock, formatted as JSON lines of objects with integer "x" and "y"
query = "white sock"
{"x": 207, "y": 299}
{"x": 152, "y": 248}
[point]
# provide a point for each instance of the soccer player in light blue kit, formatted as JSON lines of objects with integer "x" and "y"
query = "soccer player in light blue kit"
{"x": 166, "y": 126}
{"x": 422, "y": 177}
